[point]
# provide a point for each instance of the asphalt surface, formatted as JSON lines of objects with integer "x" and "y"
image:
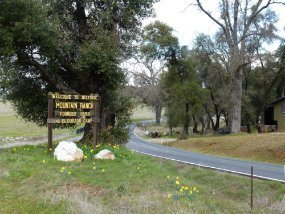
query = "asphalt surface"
{"x": 260, "y": 170}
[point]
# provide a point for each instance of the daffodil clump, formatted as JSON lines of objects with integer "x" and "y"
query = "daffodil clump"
{"x": 65, "y": 171}
{"x": 182, "y": 191}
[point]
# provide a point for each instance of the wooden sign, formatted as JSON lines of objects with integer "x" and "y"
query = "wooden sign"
{"x": 72, "y": 109}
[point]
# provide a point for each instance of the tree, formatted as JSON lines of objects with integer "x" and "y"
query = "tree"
{"x": 157, "y": 42}
{"x": 264, "y": 81}
{"x": 239, "y": 21}
{"x": 184, "y": 95}
{"x": 213, "y": 75}
{"x": 72, "y": 47}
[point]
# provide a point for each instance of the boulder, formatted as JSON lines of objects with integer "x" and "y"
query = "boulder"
{"x": 105, "y": 154}
{"x": 68, "y": 151}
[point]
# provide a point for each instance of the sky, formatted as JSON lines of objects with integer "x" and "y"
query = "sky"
{"x": 188, "y": 21}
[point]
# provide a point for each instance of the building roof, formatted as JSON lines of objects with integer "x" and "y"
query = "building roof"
{"x": 277, "y": 101}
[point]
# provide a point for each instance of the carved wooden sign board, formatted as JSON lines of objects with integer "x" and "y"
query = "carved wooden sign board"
{"x": 72, "y": 109}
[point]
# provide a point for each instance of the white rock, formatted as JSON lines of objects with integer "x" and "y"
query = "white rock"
{"x": 68, "y": 151}
{"x": 105, "y": 154}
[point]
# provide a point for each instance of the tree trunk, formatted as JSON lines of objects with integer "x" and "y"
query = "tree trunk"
{"x": 158, "y": 110}
{"x": 235, "y": 111}
{"x": 248, "y": 128}
{"x": 202, "y": 120}
{"x": 208, "y": 122}
{"x": 87, "y": 136}
{"x": 195, "y": 127}
{"x": 217, "y": 123}
{"x": 186, "y": 121}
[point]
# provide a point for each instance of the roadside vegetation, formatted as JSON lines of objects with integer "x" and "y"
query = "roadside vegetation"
{"x": 33, "y": 181}
{"x": 265, "y": 147}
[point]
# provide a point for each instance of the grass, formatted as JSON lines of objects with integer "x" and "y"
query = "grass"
{"x": 34, "y": 182}
{"x": 142, "y": 112}
{"x": 12, "y": 126}
{"x": 266, "y": 147}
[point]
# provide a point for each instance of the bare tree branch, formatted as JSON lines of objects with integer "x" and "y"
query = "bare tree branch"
{"x": 212, "y": 18}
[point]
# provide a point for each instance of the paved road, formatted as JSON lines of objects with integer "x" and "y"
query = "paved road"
{"x": 261, "y": 170}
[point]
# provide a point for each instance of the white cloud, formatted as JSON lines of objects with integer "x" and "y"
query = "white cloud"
{"x": 188, "y": 21}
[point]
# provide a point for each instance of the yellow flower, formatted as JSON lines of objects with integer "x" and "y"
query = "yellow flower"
{"x": 177, "y": 182}
{"x": 103, "y": 170}
{"x": 190, "y": 192}
{"x": 93, "y": 163}
{"x": 85, "y": 157}
{"x": 186, "y": 188}
{"x": 61, "y": 171}
{"x": 50, "y": 149}
{"x": 138, "y": 168}
{"x": 69, "y": 173}
{"x": 44, "y": 161}
{"x": 63, "y": 168}
{"x": 168, "y": 177}
{"x": 177, "y": 178}
{"x": 194, "y": 189}
{"x": 181, "y": 190}
{"x": 91, "y": 150}
{"x": 94, "y": 167}
{"x": 169, "y": 195}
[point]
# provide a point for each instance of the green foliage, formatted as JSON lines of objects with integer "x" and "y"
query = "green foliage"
{"x": 182, "y": 86}
{"x": 119, "y": 133}
{"x": 263, "y": 85}
{"x": 158, "y": 41}
{"x": 67, "y": 47}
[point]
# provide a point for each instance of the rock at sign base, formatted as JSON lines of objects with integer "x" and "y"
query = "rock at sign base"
{"x": 68, "y": 152}
{"x": 105, "y": 154}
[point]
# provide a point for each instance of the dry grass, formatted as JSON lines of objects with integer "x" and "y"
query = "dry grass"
{"x": 142, "y": 112}
{"x": 90, "y": 199}
{"x": 3, "y": 172}
{"x": 6, "y": 108}
{"x": 269, "y": 147}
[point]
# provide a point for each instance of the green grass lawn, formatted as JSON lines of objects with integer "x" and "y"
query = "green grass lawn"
{"x": 13, "y": 126}
{"x": 34, "y": 182}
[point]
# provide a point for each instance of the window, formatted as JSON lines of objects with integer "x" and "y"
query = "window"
{"x": 283, "y": 108}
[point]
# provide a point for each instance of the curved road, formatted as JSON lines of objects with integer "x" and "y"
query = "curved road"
{"x": 260, "y": 170}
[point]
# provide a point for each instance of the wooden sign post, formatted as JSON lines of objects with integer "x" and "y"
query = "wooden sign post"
{"x": 66, "y": 109}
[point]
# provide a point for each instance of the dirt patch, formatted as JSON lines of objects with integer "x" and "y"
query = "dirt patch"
{"x": 74, "y": 189}
{"x": 3, "y": 172}
{"x": 80, "y": 198}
